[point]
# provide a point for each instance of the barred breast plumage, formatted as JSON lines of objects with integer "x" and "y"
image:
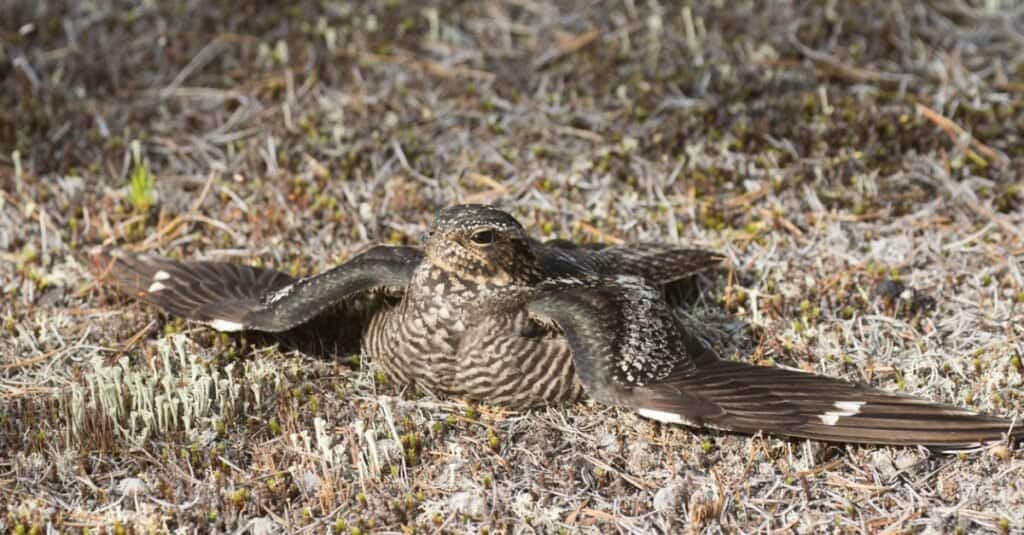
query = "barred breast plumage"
{"x": 469, "y": 337}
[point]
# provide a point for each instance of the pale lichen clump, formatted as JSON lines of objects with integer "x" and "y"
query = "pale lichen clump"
{"x": 184, "y": 394}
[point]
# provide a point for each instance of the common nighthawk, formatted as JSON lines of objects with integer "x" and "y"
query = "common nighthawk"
{"x": 487, "y": 313}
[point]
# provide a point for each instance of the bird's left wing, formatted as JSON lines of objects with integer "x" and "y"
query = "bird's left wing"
{"x": 629, "y": 350}
{"x": 621, "y": 332}
{"x": 231, "y": 297}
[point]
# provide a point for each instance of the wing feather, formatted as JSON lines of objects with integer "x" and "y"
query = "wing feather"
{"x": 233, "y": 297}
{"x": 659, "y": 264}
{"x": 614, "y": 324}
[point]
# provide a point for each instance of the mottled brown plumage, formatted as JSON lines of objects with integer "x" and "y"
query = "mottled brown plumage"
{"x": 485, "y": 312}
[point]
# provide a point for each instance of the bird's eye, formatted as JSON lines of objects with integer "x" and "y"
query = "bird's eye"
{"x": 483, "y": 237}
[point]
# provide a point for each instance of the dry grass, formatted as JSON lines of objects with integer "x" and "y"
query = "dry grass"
{"x": 825, "y": 147}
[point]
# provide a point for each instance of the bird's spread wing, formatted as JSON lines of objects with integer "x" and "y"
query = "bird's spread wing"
{"x": 659, "y": 264}
{"x": 629, "y": 350}
{"x": 231, "y": 297}
{"x": 750, "y": 399}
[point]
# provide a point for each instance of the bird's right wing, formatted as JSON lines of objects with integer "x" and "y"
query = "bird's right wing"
{"x": 629, "y": 350}
{"x": 659, "y": 264}
{"x": 231, "y": 297}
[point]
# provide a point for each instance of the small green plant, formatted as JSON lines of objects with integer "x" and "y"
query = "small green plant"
{"x": 141, "y": 181}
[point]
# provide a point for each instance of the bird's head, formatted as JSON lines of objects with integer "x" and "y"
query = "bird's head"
{"x": 481, "y": 244}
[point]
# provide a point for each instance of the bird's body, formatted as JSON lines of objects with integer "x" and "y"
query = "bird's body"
{"x": 472, "y": 340}
{"x": 484, "y": 312}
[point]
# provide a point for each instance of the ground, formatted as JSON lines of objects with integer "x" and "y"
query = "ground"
{"x": 859, "y": 163}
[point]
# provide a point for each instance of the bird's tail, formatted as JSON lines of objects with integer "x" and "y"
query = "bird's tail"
{"x": 741, "y": 397}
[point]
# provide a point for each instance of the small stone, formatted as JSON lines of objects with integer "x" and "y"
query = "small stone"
{"x": 906, "y": 460}
{"x": 883, "y": 464}
{"x": 667, "y": 499}
{"x": 468, "y": 504}
{"x": 262, "y": 525}
{"x": 131, "y": 486}
{"x": 640, "y": 458}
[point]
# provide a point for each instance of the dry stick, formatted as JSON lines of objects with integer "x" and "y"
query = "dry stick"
{"x": 594, "y": 231}
{"x": 488, "y": 181}
{"x": 580, "y": 133}
{"x": 496, "y": 189}
{"x": 1011, "y": 87}
{"x": 637, "y": 482}
{"x": 567, "y": 47}
{"x": 749, "y": 198}
{"x": 24, "y": 363}
{"x": 984, "y": 212}
{"x": 849, "y": 218}
{"x": 571, "y": 519}
{"x": 956, "y": 133}
{"x": 431, "y": 67}
{"x": 782, "y": 222}
{"x": 18, "y": 392}
{"x": 184, "y": 218}
{"x": 596, "y": 513}
{"x": 851, "y": 72}
{"x": 132, "y": 341}
{"x": 895, "y": 525}
{"x": 173, "y": 224}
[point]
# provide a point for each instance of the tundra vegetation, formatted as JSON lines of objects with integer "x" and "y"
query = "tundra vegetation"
{"x": 859, "y": 163}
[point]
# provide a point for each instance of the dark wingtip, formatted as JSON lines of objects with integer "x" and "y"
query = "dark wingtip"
{"x": 118, "y": 268}
{"x": 103, "y": 263}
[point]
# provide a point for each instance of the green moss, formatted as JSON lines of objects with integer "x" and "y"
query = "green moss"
{"x": 141, "y": 181}
{"x": 239, "y": 496}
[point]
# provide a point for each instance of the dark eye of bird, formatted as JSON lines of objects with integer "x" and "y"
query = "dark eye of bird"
{"x": 483, "y": 237}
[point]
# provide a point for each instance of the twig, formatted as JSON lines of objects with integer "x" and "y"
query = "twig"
{"x": 957, "y": 134}
{"x": 851, "y": 72}
{"x": 629, "y": 478}
{"x": 594, "y": 231}
{"x": 565, "y": 48}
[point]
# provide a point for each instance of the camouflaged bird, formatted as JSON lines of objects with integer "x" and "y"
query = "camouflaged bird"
{"x": 486, "y": 313}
